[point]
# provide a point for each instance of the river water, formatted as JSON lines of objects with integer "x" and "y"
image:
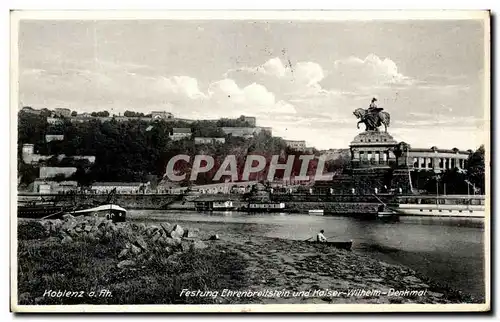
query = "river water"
{"x": 449, "y": 251}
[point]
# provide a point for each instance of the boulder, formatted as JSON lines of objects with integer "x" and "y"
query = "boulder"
{"x": 67, "y": 217}
{"x": 66, "y": 240}
{"x": 123, "y": 253}
{"x": 46, "y": 224}
{"x": 198, "y": 244}
{"x": 191, "y": 234}
{"x": 73, "y": 233}
{"x": 134, "y": 249}
{"x": 172, "y": 242}
{"x": 140, "y": 241}
{"x": 152, "y": 230}
{"x": 178, "y": 231}
{"x": 177, "y": 240}
{"x": 57, "y": 223}
{"x": 126, "y": 263}
{"x": 166, "y": 228}
{"x": 68, "y": 225}
{"x": 214, "y": 237}
{"x": 155, "y": 237}
{"x": 100, "y": 221}
{"x": 54, "y": 228}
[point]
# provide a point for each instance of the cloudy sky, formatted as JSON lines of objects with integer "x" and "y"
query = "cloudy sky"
{"x": 304, "y": 79}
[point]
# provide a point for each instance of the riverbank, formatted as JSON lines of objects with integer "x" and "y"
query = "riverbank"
{"x": 158, "y": 268}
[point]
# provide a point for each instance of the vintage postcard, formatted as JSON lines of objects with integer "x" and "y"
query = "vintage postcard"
{"x": 274, "y": 161}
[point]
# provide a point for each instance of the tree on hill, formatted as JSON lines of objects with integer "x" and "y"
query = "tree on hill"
{"x": 133, "y": 114}
{"x": 127, "y": 152}
{"x": 225, "y": 122}
{"x": 102, "y": 114}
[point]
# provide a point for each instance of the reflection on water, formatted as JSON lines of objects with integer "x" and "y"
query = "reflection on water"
{"x": 450, "y": 250}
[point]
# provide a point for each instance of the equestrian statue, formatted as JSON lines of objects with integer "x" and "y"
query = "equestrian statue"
{"x": 373, "y": 117}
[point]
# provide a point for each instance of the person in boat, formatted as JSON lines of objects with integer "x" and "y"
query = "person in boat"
{"x": 320, "y": 237}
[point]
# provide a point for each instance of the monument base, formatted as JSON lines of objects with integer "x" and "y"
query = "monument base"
{"x": 401, "y": 180}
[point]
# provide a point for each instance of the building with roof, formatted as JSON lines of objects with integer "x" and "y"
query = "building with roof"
{"x": 437, "y": 159}
{"x": 297, "y": 145}
{"x": 179, "y": 133}
{"x": 52, "y": 172}
{"x": 246, "y": 132}
{"x": 205, "y": 140}
{"x": 49, "y": 187}
{"x": 161, "y": 115}
{"x": 62, "y": 112}
{"x": 54, "y": 137}
{"x": 121, "y": 187}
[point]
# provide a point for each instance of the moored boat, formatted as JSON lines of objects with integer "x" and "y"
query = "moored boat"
{"x": 441, "y": 206}
{"x": 214, "y": 205}
{"x": 337, "y": 244}
{"x": 316, "y": 212}
{"x": 265, "y": 207}
{"x": 110, "y": 211}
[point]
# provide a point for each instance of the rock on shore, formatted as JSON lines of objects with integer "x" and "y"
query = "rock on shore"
{"x": 137, "y": 240}
{"x": 268, "y": 263}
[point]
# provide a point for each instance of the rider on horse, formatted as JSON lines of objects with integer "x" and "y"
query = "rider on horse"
{"x": 372, "y": 115}
{"x": 373, "y": 107}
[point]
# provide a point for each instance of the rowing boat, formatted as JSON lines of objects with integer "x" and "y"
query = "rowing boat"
{"x": 337, "y": 244}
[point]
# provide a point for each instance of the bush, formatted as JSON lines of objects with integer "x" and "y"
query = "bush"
{"x": 31, "y": 229}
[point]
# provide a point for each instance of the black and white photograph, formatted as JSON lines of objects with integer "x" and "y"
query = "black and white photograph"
{"x": 258, "y": 161}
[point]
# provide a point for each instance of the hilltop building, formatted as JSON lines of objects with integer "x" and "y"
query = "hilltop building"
{"x": 297, "y": 145}
{"x": 179, "y": 133}
{"x": 161, "y": 115}
{"x": 27, "y": 109}
{"x": 54, "y": 137}
{"x": 246, "y": 132}
{"x": 204, "y": 140}
{"x": 62, "y": 112}
{"x": 52, "y": 172}
{"x": 251, "y": 120}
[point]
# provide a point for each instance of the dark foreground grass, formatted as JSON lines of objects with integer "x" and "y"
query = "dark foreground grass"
{"x": 84, "y": 267}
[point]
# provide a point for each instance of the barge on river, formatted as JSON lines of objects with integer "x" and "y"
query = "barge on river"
{"x": 214, "y": 205}
{"x": 46, "y": 210}
{"x": 264, "y": 207}
{"x": 437, "y": 206}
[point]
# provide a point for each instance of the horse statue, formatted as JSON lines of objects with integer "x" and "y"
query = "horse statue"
{"x": 372, "y": 120}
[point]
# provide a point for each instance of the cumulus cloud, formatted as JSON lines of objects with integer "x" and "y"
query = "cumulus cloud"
{"x": 288, "y": 79}
{"x": 367, "y": 73}
{"x": 183, "y": 85}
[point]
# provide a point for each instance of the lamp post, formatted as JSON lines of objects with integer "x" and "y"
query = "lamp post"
{"x": 437, "y": 186}
{"x": 473, "y": 187}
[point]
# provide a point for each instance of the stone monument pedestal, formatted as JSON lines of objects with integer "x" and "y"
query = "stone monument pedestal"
{"x": 374, "y": 162}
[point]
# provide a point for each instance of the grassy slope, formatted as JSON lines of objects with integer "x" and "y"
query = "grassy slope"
{"x": 45, "y": 264}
